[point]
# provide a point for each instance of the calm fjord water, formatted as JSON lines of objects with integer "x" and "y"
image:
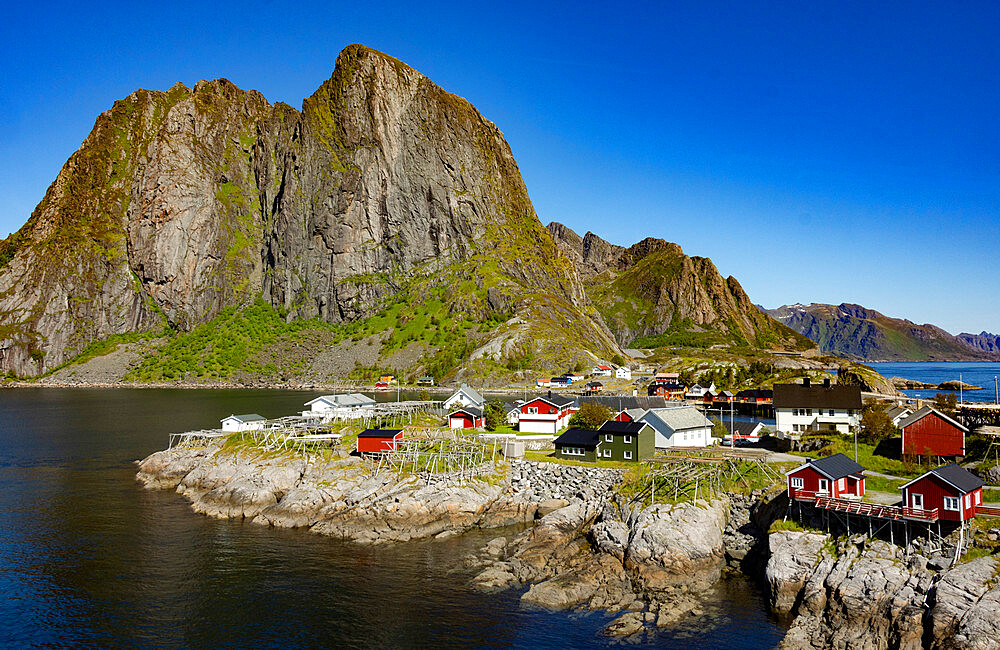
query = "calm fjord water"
{"x": 975, "y": 373}
{"x": 88, "y": 557}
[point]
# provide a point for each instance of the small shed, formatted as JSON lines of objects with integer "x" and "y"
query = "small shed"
{"x": 929, "y": 431}
{"x": 377, "y": 441}
{"x": 245, "y": 422}
{"x": 835, "y": 476}
{"x": 577, "y": 444}
{"x": 951, "y": 490}
{"x": 468, "y": 417}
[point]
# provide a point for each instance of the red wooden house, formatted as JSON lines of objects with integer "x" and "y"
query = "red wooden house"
{"x": 468, "y": 417}
{"x": 546, "y": 414}
{"x": 377, "y": 441}
{"x": 835, "y": 476}
{"x": 949, "y": 489}
{"x": 629, "y": 415}
{"x": 930, "y": 431}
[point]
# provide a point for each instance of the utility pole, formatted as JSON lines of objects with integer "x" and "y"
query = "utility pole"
{"x": 855, "y": 443}
{"x": 996, "y": 389}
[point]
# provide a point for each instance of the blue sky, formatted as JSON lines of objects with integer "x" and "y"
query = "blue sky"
{"x": 819, "y": 152}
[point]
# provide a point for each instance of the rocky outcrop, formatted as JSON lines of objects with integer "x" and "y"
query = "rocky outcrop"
{"x": 869, "y": 594}
{"x": 183, "y": 203}
{"x": 653, "y": 288}
{"x": 866, "y": 378}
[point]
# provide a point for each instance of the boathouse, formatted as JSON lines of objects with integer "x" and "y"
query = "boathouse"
{"x": 950, "y": 490}
{"x": 836, "y": 477}
{"x": 468, "y": 417}
{"x": 577, "y": 444}
{"x": 546, "y": 414}
{"x": 377, "y": 441}
{"x": 246, "y": 422}
{"x": 929, "y": 431}
{"x": 626, "y": 441}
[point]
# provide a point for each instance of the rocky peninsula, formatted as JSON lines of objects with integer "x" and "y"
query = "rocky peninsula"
{"x": 569, "y": 537}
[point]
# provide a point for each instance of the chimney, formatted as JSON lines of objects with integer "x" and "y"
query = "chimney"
{"x": 805, "y": 382}
{"x": 826, "y": 383}
{"x": 550, "y": 394}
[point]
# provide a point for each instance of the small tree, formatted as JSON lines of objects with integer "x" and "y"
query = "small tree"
{"x": 687, "y": 378}
{"x": 719, "y": 430}
{"x": 876, "y": 425}
{"x": 946, "y": 403}
{"x": 494, "y": 415}
{"x": 618, "y": 360}
{"x": 591, "y": 416}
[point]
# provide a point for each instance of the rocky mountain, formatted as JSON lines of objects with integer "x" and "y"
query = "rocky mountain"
{"x": 856, "y": 332}
{"x": 652, "y": 294}
{"x": 982, "y": 342}
{"x": 384, "y": 201}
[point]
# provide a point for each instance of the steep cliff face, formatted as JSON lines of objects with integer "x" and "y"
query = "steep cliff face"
{"x": 652, "y": 293}
{"x": 182, "y": 203}
{"x": 855, "y": 331}
{"x": 982, "y": 342}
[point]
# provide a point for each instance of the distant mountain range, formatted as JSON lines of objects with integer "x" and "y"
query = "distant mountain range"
{"x": 860, "y": 333}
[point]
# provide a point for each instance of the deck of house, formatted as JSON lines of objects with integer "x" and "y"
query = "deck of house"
{"x": 861, "y": 508}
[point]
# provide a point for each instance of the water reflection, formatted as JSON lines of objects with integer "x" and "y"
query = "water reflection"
{"x": 87, "y": 557}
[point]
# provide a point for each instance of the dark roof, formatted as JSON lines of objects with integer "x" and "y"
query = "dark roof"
{"x": 555, "y": 400}
{"x": 380, "y": 433}
{"x": 961, "y": 478}
{"x": 755, "y": 393}
{"x": 613, "y": 426}
{"x": 835, "y": 396}
{"x": 578, "y": 438}
{"x": 595, "y": 383}
{"x": 742, "y": 428}
{"x": 623, "y": 403}
{"x": 471, "y": 410}
{"x": 248, "y": 417}
{"x": 924, "y": 412}
{"x": 836, "y": 466}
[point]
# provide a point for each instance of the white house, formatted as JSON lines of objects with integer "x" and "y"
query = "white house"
{"x": 464, "y": 396}
{"x": 512, "y": 411}
{"x": 243, "y": 422}
{"x": 681, "y": 426}
{"x": 623, "y": 373}
{"x": 601, "y": 371}
{"x": 345, "y": 405}
{"x": 698, "y": 391}
{"x": 897, "y": 414}
{"x": 803, "y": 408}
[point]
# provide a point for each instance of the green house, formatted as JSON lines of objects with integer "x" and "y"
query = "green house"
{"x": 626, "y": 441}
{"x": 577, "y": 444}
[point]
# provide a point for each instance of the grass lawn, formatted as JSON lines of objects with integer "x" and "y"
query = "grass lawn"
{"x": 546, "y": 456}
{"x": 881, "y": 484}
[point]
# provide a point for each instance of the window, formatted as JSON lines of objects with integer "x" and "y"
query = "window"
{"x": 841, "y": 484}
{"x": 608, "y": 437}
{"x": 809, "y": 411}
{"x": 797, "y": 482}
{"x": 628, "y": 455}
{"x": 795, "y": 411}
{"x": 532, "y": 410}
{"x": 824, "y": 485}
{"x": 831, "y": 411}
{"x": 979, "y": 498}
{"x": 850, "y": 412}
{"x": 951, "y": 503}
{"x": 607, "y": 453}
{"x": 968, "y": 500}
{"x": 628, "y": 440}
{"x": 917, "y": 501}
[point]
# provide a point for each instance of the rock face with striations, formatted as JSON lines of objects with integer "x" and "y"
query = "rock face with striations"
{"x": 653, "y": 288}
{"x": 184, "y": 202}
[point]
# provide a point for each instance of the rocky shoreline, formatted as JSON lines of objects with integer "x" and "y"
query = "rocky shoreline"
{"x": 568, "y": 540}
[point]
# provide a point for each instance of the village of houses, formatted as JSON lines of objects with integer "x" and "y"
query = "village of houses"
{"x": 670, "y": 422}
